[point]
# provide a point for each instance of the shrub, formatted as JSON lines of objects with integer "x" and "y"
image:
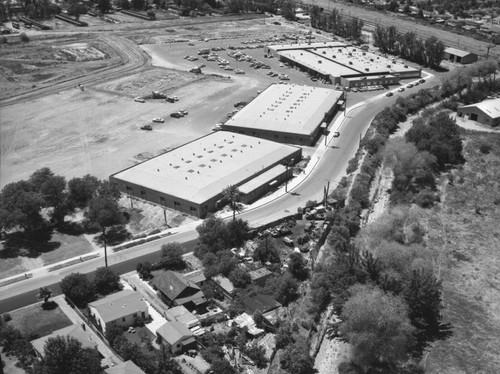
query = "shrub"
{"x": 3, "y": 40}
{"x": 425, "y": 198}
{"x": 485, "y": 148}
{"x": 7, "y": 317}
{"x": 24, "y": 37}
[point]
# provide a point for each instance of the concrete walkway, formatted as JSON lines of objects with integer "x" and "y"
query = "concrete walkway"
{"x": 110, "y": 358}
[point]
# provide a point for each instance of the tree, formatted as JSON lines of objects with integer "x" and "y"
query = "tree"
{"x": 240, "y": 278}
{"x": 171, "y": 256}
{"x": 76, "y": 9}
{"x": 106, "y": 281}
{"x": 20, "y": 205}
{"x": 77, "y": 288}
{"x": 440, "y": 136}
{"x": 212, "y": 234}
{"x": 288, "y": 10}
{"x": 285, "y": 288}
{"x": 297, "y": 266}
{"x": 113, "y": 331}
{"x": 104, "y": 212}
{"x": 144, "y": 270}
{"x": 266, "y": 251}
{"x": 231, "y": 195}
{"x": 52, "y": 189}
{"x": 44, "y": 294}
{"x": 257, "y": 354}
{"x": 82, "y": 190}
{"x": 104, "y": 6}
{"x": 64, "y": 355}
{"x": 377, "y": 325}
{"x": 258, "y": 318}
{"x": 434, "y": 52}
{"x": 297, "y": 360}
{"x": 284, "y": 336}
{"x": 237, "y": 233}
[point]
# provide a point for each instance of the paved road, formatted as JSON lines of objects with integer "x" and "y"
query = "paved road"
{"x": 330, "y": 167}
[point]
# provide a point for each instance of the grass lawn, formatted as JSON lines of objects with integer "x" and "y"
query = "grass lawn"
{"x": 58, "y": 247}
{"x": 33, "y": 321}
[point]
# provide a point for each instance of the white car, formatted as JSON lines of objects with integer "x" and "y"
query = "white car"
{"x": 139, "y": 100}
{"x": 239, "y": 71}
{"x": 158, "y": 120}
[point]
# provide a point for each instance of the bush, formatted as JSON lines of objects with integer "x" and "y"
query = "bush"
{"x": 485, "y": 148}
{"x": 425, "y": 199}
{"x": 6, "y": 317}
{"x": 24, "y": 37}
{"x": 3, "y": 40}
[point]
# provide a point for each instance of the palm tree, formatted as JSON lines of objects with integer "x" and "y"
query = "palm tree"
{"x": 231, "y": 195}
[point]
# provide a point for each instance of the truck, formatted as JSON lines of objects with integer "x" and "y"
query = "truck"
{"x": 203, "y": 51}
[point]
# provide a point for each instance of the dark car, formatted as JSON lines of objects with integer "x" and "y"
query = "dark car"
{"x": 176, "y": 115}
{"x": 146, "y": 127}
{"x": 389, "y": 94}
{"x": 421, "y": 81}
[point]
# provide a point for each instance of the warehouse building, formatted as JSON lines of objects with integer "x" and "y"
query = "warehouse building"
{"x": 287, "y": 113}
{"x": 191, "y": 178}
{"x": 486, "y": 112}
{"x": 334, "y": 61}
{"x": 459, "y": 56}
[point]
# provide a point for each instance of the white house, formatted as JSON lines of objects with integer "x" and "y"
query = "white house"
{"x": 121, "y": 308}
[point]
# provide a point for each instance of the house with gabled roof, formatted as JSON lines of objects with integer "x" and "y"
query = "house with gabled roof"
{"x": 74, "y": 331}
{"x": 175, "y": 290}
{"x": 121, "y": 308}
{"x": 176, "y": 336}
{"x": 127, "y": 367}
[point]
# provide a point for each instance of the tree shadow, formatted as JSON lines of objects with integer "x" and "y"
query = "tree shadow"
{"x": 114, "y": 236}
{"x": 29, "y": 244}
{"x": 71, "y": 228}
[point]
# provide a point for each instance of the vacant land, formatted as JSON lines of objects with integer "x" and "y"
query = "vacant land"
{"x": 35, "y": 322}
{"x": 464, "y": 230}
{"x": 27, "y": 66}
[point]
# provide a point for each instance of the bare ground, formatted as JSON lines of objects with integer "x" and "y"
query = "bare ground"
{"x": 464, "y": 232}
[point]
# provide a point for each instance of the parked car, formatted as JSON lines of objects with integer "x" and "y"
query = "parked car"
{"x": 183, "y": 112}
{"x": 389, "y": 94}
{"x": 176, "y": 115}
{"x": 139, "y": 100}
{"x": 239, "y": 71}
{"x": 146, "y": 127}
{"x": 401, "y": 89}
{"x": 158, "y": 120}
{"x": 336, "y": 134}
{"x": 421, "y": 81}
{"x": 410, "y": 85}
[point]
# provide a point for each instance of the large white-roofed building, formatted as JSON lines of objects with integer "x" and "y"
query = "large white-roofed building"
{"x": 339, "y": 63}
{"x": 487, "y": 112}
{"x": 287, "y": 113}
{"x": 191, "y": 178}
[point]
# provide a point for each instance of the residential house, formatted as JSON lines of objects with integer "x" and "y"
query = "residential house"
{"x": 176, "y": 336}
{"x": 270, "y": 308}
{"x": 260, "y": 276}
{"x": 74, "y": 331}
{"x": 121, "y": 308}
{"x": 197, "y": 277}
{"x": 127, "y": 367}
{"x": 225, "y": 286}
{"x": 175, "y": 289}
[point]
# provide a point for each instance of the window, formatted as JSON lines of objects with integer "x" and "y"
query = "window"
{"x": 143, "y": 194}
{"x": 177, "y": 204}
{"x": 135, "y": 315}
{"x": 192, "y": 209}
{"x": 123, "y": 319}
{"x": 162, "y": 201}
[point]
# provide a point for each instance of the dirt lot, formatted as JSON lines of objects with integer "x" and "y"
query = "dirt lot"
{"x": 24, "y": 67}
{"x": 464, "y": 230}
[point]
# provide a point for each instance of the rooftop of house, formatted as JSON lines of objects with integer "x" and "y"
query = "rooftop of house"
{"x": 119, "y": 304}
{"x": 127, "y": 367}
{"x": 262, "y": 303}
{"x": 491, "y": 107}
{"x": 173, "y": 332}
{"x": 74, "y": 331}
{"x": 177, "y": 287}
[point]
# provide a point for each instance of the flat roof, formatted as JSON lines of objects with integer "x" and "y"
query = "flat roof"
{"x": 199, "y": 170}
{"x": 342, "y": 60}
{"x": 457, "y": 52}
{"x": 265, "y": 177}
{"x": 490, "y": 107}
{"x": 281, "y": 47}
{"x": 287, "y": 108}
